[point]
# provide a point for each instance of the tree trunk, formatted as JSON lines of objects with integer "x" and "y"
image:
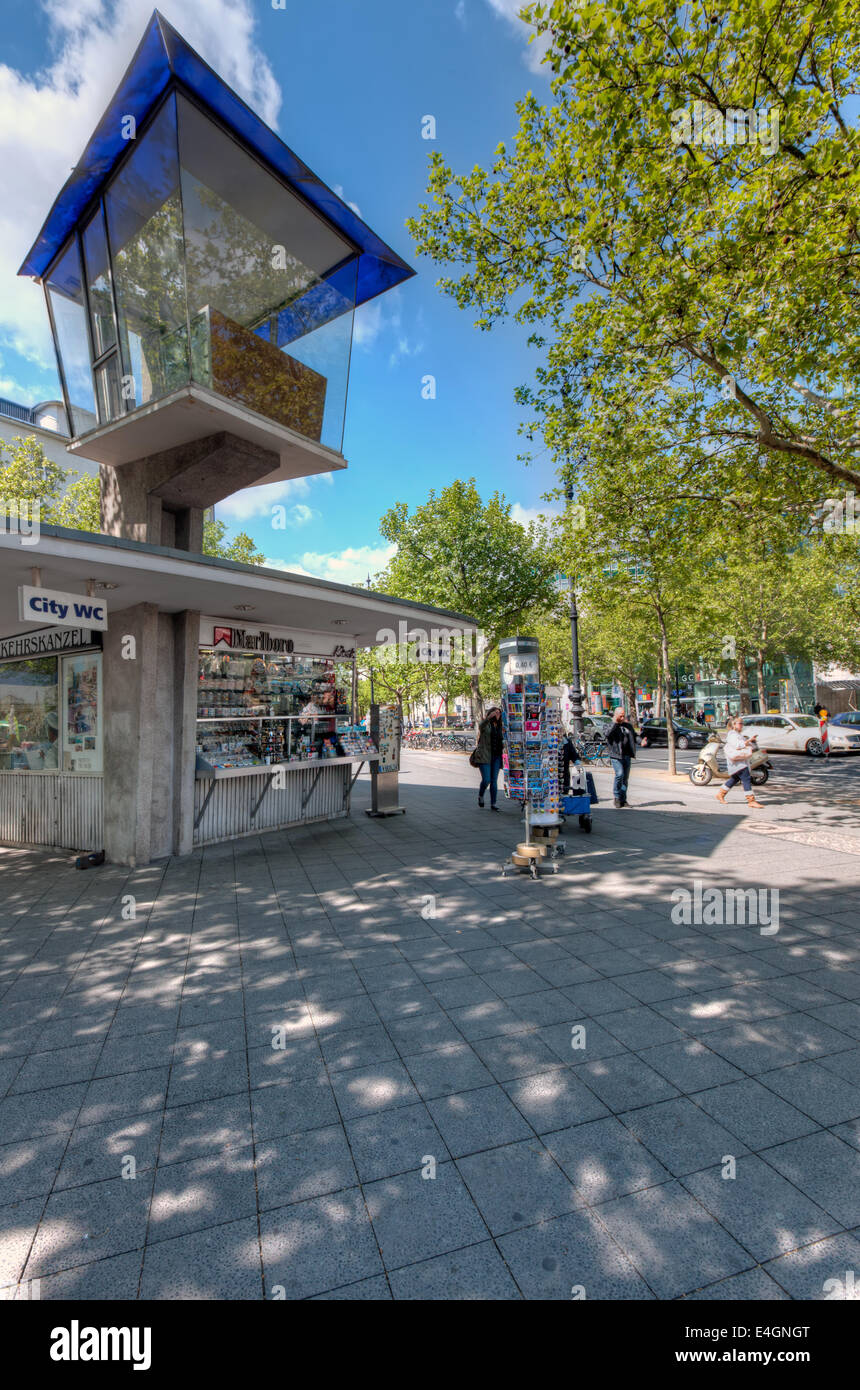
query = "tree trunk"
{"x": 632, "y": 713}
{"x": 760, "y": 681}
{"x": 477, "y": 697}
{"x": 667, "y": 690}
{"x": 743, "y": 682}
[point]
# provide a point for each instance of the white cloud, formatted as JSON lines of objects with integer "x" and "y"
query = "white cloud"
{"x": 460, "y": 12}
{"x": 525, "y": 515}
{"x": 349, "y": 566}
{"x": 509, "y": 10}
{"x": 46, "y": 120}
{"x": 405, "y": 348}
{"x": 258, "y": 501}
{"x": 338, "y": 188}
{"x": 301, "y": 514}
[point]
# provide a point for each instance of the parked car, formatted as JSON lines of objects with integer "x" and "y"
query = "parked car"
{"x": 849, "y": 717}
{"x": 594, "y": 725}
{"x": 799, "y": 733}
{"x": 688, "y": 734}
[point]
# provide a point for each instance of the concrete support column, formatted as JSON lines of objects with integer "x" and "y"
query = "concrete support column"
{"x": 186, "y": 645}
{"x": 130, "y": 668}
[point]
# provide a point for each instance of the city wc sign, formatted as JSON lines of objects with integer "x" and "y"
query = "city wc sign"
{"x": 61, "y": 610}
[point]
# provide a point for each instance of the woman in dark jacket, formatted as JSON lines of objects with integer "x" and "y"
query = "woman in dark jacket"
{"x": 491, "y": 741}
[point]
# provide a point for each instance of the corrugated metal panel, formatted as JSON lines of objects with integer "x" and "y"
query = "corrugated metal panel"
{"x": 229, "y": 811}
{"x": 62, "y": 810}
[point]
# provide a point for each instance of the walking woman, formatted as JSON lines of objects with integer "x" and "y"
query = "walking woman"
{"x": 488, "y": 754}
{"x": 739, "y": 749}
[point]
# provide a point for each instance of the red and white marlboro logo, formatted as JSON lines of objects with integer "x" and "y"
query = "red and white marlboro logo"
{"x": 223, "y": 634}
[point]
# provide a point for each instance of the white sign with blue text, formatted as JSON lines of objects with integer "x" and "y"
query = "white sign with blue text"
{"x": 61, "y": 610}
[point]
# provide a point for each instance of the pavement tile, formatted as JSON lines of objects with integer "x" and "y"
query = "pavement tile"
{"x": 219, "y": 1263}
{"x": 295, "y": 1106}
{"x": 824, "y": 1270}
{"x": 297, "y": 1060}
{"x": 28, "y": 1169}
{"x": 314, "y": 1246}
{"x": 676, "y": 1246}
{"x": 518, "y": 1185}
{"x": 681, "y": 1135}
{"x": 640, "y": 1028}
{"x": 826, "y": 1169}
{"x": 193, "y": 1079}
{"x": 112, "y": 1279}
{"x": 753, "y": 1285}
{"x": 490, "y": 1020}
{"x": 394, "y": 1141}
{"x": 81, "y": 1224}
{"x": 476, "y": 1120}
{"x": 476, "y": 1273}
{"x": 524, "y": 1054}
{"x": 571, "y": 1253}
{"x": 359, "y": 1047}
{"x": 604, "y": 1160}
{"x": 366, "y": 1090}
{"x": 624, "y": 1081}
{"x": 115, "y": 1097}
{"x": 580, "y": 1041}
{"x": 18, "y": 1225}
{"x": 201, "y": 1192}
{"x": 447, "y": 1070}
{"x": 41, "y": 1112}
{"x": 599, "y": 997}
{"x": 764, "y": 1212}
{"x": 416, "y": 1217}
{"x": 422, "y": 1034}
{"x": 98, "y": 1152}
{"x": 364, "y": 1291}
{"x": 754, "y": 1113}
{"x": 816, "y": 1091}
{"x": 554, "y": 1100}
{"x": 462, "y": 990}
{"x": 690, "y": 1065}
{"x": 190, "y": 1131}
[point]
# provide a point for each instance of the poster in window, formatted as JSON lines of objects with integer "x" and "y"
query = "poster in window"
{"x": 82, "y": 732}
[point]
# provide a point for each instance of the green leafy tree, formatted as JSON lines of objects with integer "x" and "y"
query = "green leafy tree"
{"x": 79, "y": 506}
{"x": 684, "y": 211}
{"x": 28, "y": 475}
{"x": 241, "y": 548}
{"x": 463, "y": 554}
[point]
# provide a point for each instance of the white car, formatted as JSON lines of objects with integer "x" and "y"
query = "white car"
{"x": 799, "y": 733}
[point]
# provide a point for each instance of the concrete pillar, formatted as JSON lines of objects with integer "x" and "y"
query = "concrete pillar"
{"x": 161, "y": 499}
{"x": 130, "y": 731}
{"x": 186, "y": 640}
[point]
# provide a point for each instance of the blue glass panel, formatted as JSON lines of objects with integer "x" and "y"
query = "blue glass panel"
{"x": 164, "y": 56}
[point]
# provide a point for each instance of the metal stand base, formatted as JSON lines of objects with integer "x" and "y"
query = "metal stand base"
{"x": 379, "y": 815}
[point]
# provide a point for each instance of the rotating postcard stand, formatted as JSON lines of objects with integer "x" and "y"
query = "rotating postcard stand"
{"x": 385, "y": 730}
{"x": 532, "y": 724}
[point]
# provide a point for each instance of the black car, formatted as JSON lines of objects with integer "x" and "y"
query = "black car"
{"x": 688, "y": 734}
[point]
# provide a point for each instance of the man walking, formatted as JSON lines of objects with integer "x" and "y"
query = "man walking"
{"x": 621, "y": 739}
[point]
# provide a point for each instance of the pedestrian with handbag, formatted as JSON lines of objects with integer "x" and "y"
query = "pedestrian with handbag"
{"x": 487, "y": 754}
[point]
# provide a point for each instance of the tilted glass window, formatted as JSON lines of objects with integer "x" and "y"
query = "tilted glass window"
{"x": 144, "y": 217}
{"x": 271, "y": 287}
{"x": 66, "y": 297}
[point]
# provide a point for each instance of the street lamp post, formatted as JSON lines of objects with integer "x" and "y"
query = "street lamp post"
{"x": 575, "y": 686}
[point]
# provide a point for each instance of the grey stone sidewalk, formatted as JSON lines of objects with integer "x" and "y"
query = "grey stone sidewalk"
{"x": 427, "y": 1125}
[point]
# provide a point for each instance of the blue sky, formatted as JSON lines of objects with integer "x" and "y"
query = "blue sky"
{"x": 346, "y": 85}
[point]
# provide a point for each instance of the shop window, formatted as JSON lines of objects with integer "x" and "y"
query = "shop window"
{"x": 29, "y": 724}
{"x": 51, "y": 714}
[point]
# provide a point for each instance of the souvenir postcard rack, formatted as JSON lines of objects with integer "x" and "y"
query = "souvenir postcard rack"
{"x": 533, "y": 740}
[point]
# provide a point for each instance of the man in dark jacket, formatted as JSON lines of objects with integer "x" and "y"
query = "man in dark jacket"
{"x": 621, "y": 739}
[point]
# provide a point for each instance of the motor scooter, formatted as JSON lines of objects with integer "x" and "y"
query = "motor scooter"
{"x": 707, "y": 767}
